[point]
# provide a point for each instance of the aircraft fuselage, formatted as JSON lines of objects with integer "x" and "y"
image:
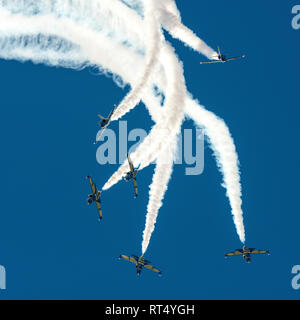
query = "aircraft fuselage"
{"x": 139, "y": 268}
{"x": 246, "y": 254}
{"x": 130, "y": 175}
{"x": 93, "y": 197}
{"x": 103, "y": 123}
{"x": 247, "y": 257}
{"x": 140, "y": 265}
{"x": 222, "y": 58}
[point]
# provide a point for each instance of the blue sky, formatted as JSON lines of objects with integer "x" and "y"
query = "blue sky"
{"x": 51, "y": 243}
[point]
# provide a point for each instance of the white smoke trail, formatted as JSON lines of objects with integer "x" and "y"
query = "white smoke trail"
{"x": 171, "y": 21}
{"x": 226, "y": 155}
{"x": 96, "y": 15}
{"x": 164, "y": 158}
{"x": 158, "y": 188}
{"x": 229, "y": 169}
{"x": 152, "y": 54}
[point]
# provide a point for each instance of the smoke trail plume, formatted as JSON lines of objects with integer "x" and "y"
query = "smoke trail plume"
{"x": 158, "y": 188}
{"x": 153, "y": 52}
{"x": 226, "y": 155}
{"x": 171, "y": 21}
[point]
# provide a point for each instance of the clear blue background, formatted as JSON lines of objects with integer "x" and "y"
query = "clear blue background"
{"x": 51, "y": 243}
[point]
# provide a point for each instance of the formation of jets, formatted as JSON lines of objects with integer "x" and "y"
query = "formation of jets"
{"x": 95, "y": 196}
{"x": 140, "y": 263}
{"x": 246, "y": 253}
{"x": 221, "y": 58}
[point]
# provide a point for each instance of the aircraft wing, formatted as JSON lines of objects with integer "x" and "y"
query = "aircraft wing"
{"x": 234, "y": 58}
{"x": 131, "y": 259}
{"x": 135, "y": 187}
{"x": 212, "y": 61}
{"x": 135, "y": 257}
{"x": 112, "y": 112}
{"x": 237, "y": 252}
{"x": 98, "y": 204}
{"x": 254, "y": 251}
{"x": 148, "y": 266}
{"x": 93, "y": 186}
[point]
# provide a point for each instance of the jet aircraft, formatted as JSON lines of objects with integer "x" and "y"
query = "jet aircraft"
{"x": 222, "y": 58}
{"x": 104, "y": 123}
{"x": 246, "y": 253}
{"x": 95, "y": 196}
{"x": 140, "y": 263}
{"x": 131, "y": 175}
